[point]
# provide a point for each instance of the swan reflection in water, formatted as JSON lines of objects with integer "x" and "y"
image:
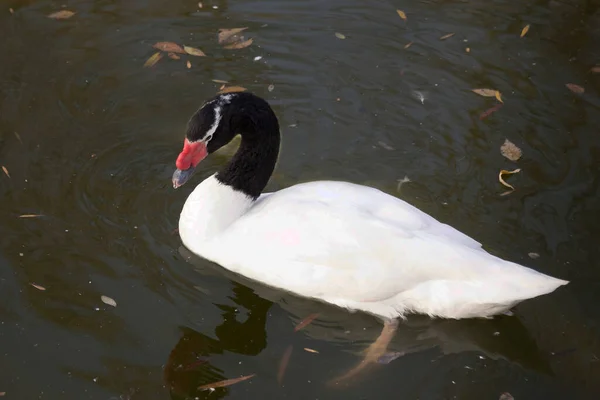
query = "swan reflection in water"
{"x": 503, "y": 337}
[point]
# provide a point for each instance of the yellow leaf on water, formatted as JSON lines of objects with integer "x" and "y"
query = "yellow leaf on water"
{"x": 188, "y": 64}
{"x": 406, "y": 46}
{"x": 505, "y": 172}
{"x": 227, "y": 382}
{"x": 311, "y": 350}
{"x": 401, "y": 14}
{"x": 525, "y": 30}
{"x": 575, "y": 88}
{"x": 62, "y": 14}
{"x": 5, "y": 171}
{"x": 154, "y": 58}
{"x": 225, "y": 34}
{"x": 194, "y": 51}
{"x": 38, "y": 287}
{"x": 447, "y": 36}
{"x": 30, "y": 215}
{"x": 485, "y": 92}
{"x": 239, "y": 45}
{"x": 499, "y": 96}
{"x": 340, "y": 35}
{"x": 169, "y": 47}
{"x": 510, "y": 150}
{"x": 231, "y": 89}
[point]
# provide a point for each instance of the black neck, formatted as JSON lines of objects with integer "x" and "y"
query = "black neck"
{"x": 251, "y": 167}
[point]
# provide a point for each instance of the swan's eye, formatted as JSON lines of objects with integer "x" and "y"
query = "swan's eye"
{"x": 208, "y": 138}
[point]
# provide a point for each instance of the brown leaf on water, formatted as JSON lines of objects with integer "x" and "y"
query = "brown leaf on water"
{"x": 38, "y": 287}
{"x": 510, "y": 150}
{"x": 5, "y": 171}
{"x": 154, "y": 58}
{"x": 499, "y": 96}
{"x": 575, "y": 88}
{"x": 219, "y": 81}
{"x": 188, "y": 64}
{"x": 226, "y": 34}
{"x": 311, "y": 350}
{"x": 447, "y": 36}
{"x": 226, "y": 382}
{"x": 595, "y": 69}
{"x": 468, "y": 49}
{"x": 485, "y": 92}
{"x": 402, "y": 14}
{"x": 30, "y": 215}
{"x": 306, "y": 321}
{"x": 194, "y": 51}
{"x": 239, "y": 45}
{"x": 525, "y": 30}
{"x": 490, "y": 111}
{"x": 231, "y": 89}
{"x": 505, "y": 172}
{"x": 285, "y": 359}
{"x": 506, "y": 396}
{"x": 62, "y": 14}
{"x": 174, "y": 56}
{"x": 407, "y": 45}
{"x": 169, "y": 47}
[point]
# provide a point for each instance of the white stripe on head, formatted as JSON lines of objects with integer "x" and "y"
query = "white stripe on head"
{"x": 221, "y": 101}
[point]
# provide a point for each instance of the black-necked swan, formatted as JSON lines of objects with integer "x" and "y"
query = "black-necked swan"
{"x": 346, "y": 244}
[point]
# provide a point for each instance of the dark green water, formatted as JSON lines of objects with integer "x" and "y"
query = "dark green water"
{"x": 89, "y": 137}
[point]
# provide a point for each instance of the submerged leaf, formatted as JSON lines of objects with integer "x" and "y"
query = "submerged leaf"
{"x": 306, "y": 321}
{"x": 485, "y": 92}
{"x": 62, "y": 14}
{"x": 340, "y": 35}
{"x": 154, "y": 58}
{"x": 447, "y": 36}
{"x": 510, "y": 150}
{"x": 389, "y": 357}
{"x": 226, "y": 34}
{"x": 575, "y": 88}
{"x": 38, "y": 287}
{"x": 169, "y": 47}
{"x": 525, "y": 30}
{"x": 401, "y": 14}
{"x": 194, "y": 51}
{"x": 239, "y": 45}
{"x": 108, "y": 300}
{"x": 596, "y": 69}
{"x": 490, "y": 111}
{"x": 174, "y": 56}
{"x": 231, "y": 89}
{"x": 226, "y": 382}
{"x": 506, "y": 396}
{"x": 285, "y": 359}
{"x": 505, "y": 172}
{"x": 5, "y": 171}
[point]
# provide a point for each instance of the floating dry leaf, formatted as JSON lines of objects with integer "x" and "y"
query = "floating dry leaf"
{"x": 506, "y": 396}
{"x": 311, "y": 350}
{"x": 505, "y": 172}
{"x": 62, "y": 14}
{"x": 199, "y": 4}
{"x": 596, "y": 69}
{"x": 510, "y": 150}
{"x": 306, "y": 321}
{"x": 18, "y": 137}
{"x": 169, "y": 47}
{"x": 194, "y": 51}
{"x": 575, "y": 88}
{"x": 533, "y": 255}
{"x": 340, "y": 35}
{"x": 239, "y": 45}
{"x": 226, "y": 382}
{"x": 5, "y": 171}
{"x": 499, "y": 96}
{"x": 174, "y": 56}
{"x": 108, "y": 300}
{"x": 226, "y": 34}
{"x": 407, "y": 45}
{"x": 12, "y": 12}
{"x": 154, "y": 58}
{"x": 271, "y": 87}
{"x": 447, "y": 36}
{"x": 401, "y": 14}
{"x": 231, "y": 89}
{"x": 525, "y": 30}
{"x": 222, "y": 87}
{"x": 285, "y": 359}
{"x": 30, "y": 215}
{"x": 219, "y": 81}
{"x": 188, "y": 64}
{"x": 490, "y": 111}
{"x": 38, "y": 287}
{"x": 485, "y": 92}
{"x": 468, "y": 50}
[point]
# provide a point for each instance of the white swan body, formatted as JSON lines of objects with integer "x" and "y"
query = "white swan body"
{"x": 342, "y": 243}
